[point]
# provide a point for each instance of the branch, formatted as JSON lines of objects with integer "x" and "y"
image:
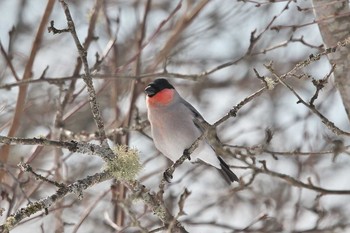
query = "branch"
{"x": 80, "y": 147}
{"x": 296, "y": 182}
{"x": 319, "y": 84}
{"x": 156, "y": 204}
{"x": 155, "y": 33}
{"x": 87, "y": 76}
{"x": 32, "y": 208}
{"x": 331, "y": 126}
{"x": 177, "y": 31}
{"x": 104, "y": 152}
{"x": 22, "y": 93}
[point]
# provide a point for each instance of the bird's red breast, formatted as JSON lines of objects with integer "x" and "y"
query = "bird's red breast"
{"x": 162, "y": 98}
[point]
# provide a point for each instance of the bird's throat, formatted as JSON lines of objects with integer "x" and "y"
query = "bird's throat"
{"x": 162, "y": 98}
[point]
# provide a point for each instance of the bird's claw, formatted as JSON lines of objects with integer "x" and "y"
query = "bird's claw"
{"x": 167, "y": 176}
{"x": 187, "y": 154}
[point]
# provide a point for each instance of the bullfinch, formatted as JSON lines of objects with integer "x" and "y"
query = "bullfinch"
{"x": 176, "y": 124}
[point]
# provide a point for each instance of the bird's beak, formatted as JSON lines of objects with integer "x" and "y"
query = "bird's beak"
{"x": 150, "y": 91}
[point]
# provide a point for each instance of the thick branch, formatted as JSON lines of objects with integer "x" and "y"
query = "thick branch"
{"x": 80, "y": 147}
{"x": 32, "y": 208}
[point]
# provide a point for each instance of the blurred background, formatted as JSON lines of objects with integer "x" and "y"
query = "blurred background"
{"x": 208, "y": 50}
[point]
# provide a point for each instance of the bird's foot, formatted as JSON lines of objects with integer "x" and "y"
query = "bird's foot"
{"x": 187, "y": 154}
{"x": 167, "y": 175}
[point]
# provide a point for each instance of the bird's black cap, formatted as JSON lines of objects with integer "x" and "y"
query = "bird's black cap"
{"x": 157, "y": 86}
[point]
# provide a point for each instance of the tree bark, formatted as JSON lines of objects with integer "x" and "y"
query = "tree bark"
{"x": 333, "y": 19}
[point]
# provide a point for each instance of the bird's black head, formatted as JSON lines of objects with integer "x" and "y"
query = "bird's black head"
{"x": 157, "y": 86}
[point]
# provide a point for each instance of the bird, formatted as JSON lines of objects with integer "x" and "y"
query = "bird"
{"x": 176, "y": 124}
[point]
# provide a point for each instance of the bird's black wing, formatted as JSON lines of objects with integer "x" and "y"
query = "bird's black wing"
{"x": 198, "y": 120}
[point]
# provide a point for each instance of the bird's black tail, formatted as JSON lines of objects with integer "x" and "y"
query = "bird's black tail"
{"x": 226, "y": 172}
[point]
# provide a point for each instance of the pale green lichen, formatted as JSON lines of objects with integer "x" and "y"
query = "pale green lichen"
{"x": 270, "y": 83}
{"x": 10, "y": 222}
{"x": 160, "y": 212}
{"x": 126, "y": 165}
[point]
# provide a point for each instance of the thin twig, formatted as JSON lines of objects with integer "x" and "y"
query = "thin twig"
{"x": 27, "y": 168}
{"x": 22, "y": 93}
{"x": 295, "y": 182}
{"x": 87, "y": 76}
{"x": 330, "y": 125}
